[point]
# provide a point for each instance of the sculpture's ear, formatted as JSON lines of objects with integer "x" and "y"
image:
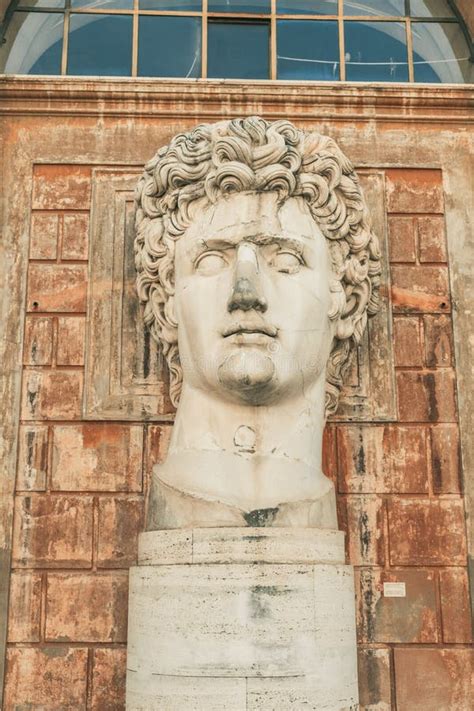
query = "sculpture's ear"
{"x": 352, "y": 313}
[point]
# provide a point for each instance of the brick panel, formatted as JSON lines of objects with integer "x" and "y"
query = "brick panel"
{"x": 61, "y": 187}
{"x": 53, "y": 531}
{"x": 414, "y": 191}
{"x": 455, "y": 606}
{"x": 428, "y": 679}
{"x": 438, "y": 341}
{"x": 33, "y": 457}
{"x": 71, "y": 340}
{"x": 375, "y": 693}
{"x": 57, "y": 287}
{"x": 402, "y": 241}
{"x": 25, "y": 607}
{"x": 431, "y": 239}
{"x": 361, "y": 517}
{"x": 420, "y": 289}
{"x": 44, "y": 236}
{"x": 53, "y": 678}
{"x": 120, "y": 522}
{"x": 38, "y": 343}
{"x": 105, "y": 597}
{"x": 75, "y": 236}
{"x": 408, "y": 350}
{"x": 446, "y": 459}
{"x": 427, "y": 532}
{"x": 382, "y": 459}
{"x": 97, "y": 457}
{"x": 397, "y": 619}
{"x": 108, "y": 680}
{"x": 426, "y": 397}
{"x": 52, "y": 395}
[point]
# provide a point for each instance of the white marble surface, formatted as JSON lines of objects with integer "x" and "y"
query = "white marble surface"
{"x": 241, "y": 635}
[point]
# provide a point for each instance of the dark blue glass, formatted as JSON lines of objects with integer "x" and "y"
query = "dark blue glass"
{"x": 100, "y": 45}
{"x": 390, "y": 8}
{"x": 238, "y": 50}
{"x": 260, "y": 6}
{"x": 308, "y": 49}
{"x": 376, "y": 51}
{"x": 34, "y": 44}
{"x": 441, "y": 53}
{"x": 430, "y": 8}
{"x": 307, "y": 7}
{"x": 172, "y": 5}
{"x": 158, "y": 40}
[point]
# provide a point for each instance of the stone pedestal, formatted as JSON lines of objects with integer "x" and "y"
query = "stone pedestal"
{"x": 240, "y": 619}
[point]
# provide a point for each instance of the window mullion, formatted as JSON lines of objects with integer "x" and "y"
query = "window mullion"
{"x": 67, "y": 15}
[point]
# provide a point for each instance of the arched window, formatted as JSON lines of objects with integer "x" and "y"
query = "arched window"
{"x": 353, "y": 40}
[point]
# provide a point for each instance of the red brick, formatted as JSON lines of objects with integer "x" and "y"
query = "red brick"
{"x": 438, "y": 341}
{"x": 434, "y": 679}
{"x": 414, "y": 190}
{"x": 97, "y": 457}
{"x": 382, "y": 459}
{"x": 375, "y": 691}
{"x": 455, "y": 606}
{"x": 402, "y": 239}
{"x": 71, "y": 338}
{"x": 361, "y": 517}
{"x": 75, "y": 240}
{"x": 397, "y": 619}
{"x": 427, "y": 532}
{"x": 38, "y": 344}
{"x": 57, "y": 287}
{"x": 420, "y": 289}
{"x": 108, "y": 680}
{"x": 52, "y": 395}
{"x": 426, "y": 397}
{"x": 47, "y": 679}
{"x": 52, "y": 531}
{"x": 446, "y": 459}
{"x": 329, "y": 456}
{"x": 120, "y": 522}
{"x": 102, "y": 600}
{"x": 408, "y": 348}
{"x": 32, "y": 458}
{"x": 24, "y": 608}
{"x": 61, "y": 187}
{"x": 44, "y": 236}
{"x": 431, "y": 239}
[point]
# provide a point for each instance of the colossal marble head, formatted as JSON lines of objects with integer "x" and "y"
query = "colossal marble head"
{"x": 256, "y": 261}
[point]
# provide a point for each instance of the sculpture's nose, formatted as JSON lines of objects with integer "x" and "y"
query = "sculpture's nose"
{"x": 246, "y": 288}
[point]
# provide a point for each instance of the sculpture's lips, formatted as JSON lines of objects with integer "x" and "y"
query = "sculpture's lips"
{"x": 239, "y": 328}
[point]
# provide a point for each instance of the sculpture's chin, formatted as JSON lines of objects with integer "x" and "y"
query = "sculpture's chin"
{"x": 248, "y": 373}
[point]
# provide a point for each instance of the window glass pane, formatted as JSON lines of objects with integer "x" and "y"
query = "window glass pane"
{"x": 238, "y": 50}
{"x": 158, "y": 39}
{"x": 181, "y": 5}
{"x": 376, "y": 51}
{"x": 307, "y": 7}
{"x": 390, "y": 8}
{"x": 33, "y": 45}
{"x": 239, "y": 6}
{"x": 440, "y": 53}
{"x": 430, "y": 8}
{"x": 100, "y": 45}
{"x": 104, "y": 4}
{"x": 307, "y": 49}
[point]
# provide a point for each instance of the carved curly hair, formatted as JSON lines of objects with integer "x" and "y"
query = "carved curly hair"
{"x": 252, "y": 154}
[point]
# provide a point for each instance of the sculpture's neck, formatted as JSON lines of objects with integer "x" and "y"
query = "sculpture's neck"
{"x": 246, "y": 456}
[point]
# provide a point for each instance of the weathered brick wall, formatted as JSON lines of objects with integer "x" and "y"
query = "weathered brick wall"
{"x": 81, "y": 485}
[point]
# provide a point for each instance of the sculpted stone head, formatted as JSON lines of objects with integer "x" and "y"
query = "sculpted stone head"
{"x": 256, "y": 261}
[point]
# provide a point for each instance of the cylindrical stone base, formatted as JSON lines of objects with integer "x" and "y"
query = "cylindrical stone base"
{"x": 241, "y": 619}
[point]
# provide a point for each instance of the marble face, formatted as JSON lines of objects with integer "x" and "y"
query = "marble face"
{"x": 252, "y": 299}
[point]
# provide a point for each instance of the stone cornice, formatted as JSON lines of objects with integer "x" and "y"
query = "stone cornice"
{"x": 211, "y": 99}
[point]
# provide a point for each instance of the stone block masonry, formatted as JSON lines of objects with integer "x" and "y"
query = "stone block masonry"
{"x": 81, "y": 485}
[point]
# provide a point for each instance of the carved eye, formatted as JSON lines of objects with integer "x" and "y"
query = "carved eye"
{"x": 287, "y": 262}
{"x": 210, "y": 263}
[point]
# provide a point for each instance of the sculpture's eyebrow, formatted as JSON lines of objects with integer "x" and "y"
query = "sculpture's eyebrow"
{"x": 219, "y": 242}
